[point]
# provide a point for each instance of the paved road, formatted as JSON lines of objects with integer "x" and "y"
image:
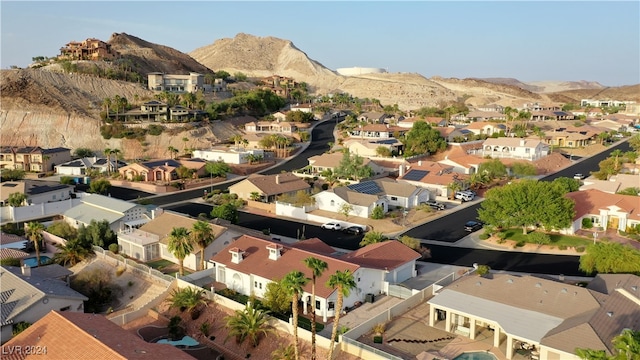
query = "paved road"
{"x": 449, "y": 228}
{"x": 321, "y": 135}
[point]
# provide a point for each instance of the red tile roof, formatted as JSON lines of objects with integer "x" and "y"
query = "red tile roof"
{"x": 592, "y": 200}
{"x": 71, "y": 335}
{"x": 277, "y": 183}
{"x": 314, "y": 245}
{"x": 386, "y": 255}
{"x": 256, "y": 261}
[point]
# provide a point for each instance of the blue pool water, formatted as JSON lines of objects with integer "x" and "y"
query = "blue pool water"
{"x": 186, "y": 341}
{"x": 477, "y": 355}
{"x": 32, "y": 262}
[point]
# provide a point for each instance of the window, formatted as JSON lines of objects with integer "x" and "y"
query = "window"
{"x": 331, "y": 305}
{"x": 66, "y": 308}
{"x": 255, "y": 284}
{"x": 317, "y": 304}
{"x": 527, "y": 150}
{"x": 394, "y": 198}
{"x": 333, "y": 203}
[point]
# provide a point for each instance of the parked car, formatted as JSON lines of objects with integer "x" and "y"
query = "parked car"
{"x": 331, "y": 226}
{"x": 464, "y": 195}
{"x": 472, "y": 226}
{"x": 354, "y": 230}
{"x": 435, "y": 205}
{"x": 579, "y": 176}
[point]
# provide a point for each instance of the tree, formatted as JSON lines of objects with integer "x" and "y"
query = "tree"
{"x": 217, "y": 169}
{"x": 116, "y": 152}
{"x": 634, "y": 142}
{"x": 607, "y": 168}
{"x": 34, "y": 233}
{"x": 521, "y": 169}
{"x": 377, "y": 212}
{"x": 98, "y": 233}
{"x": 12, "y": 174}
{"x": 383, "y": 151}
{"x": 566, "y": 185}
{"x": 344, "y": 282}
{"x": 226, "y": 211}
{"x": 254, "y": 196}
{"x": 626, "y": 345}
{"x": 71, "y": 253}
{"x": 345, "y": 209}
{"x": 372, "y": 237}
{"x": 180, "y": 245}
{"x": 100, "y": 186}
{"x": 107, "y": 153}
{"x": 16, "y": 199}
{"x": 411, "y": 242}
{"x": 249, "y": 323}
{"x": 423, "y": 139}
{"x": 276, "y": 297}
{"x": 83, "y": 152}
{"x": 294, "y": 282}
{"x": 184, "y": 172}
{"x": 610, "y": 257}
{"x": 172, "y": 151}
{"x": 493, "y": 168}
{"x": 67, "y": 180}
{"x": 203, "y": 236}
{"x": 317, "y": 267}
{"x": 62, "y": 229}
{"x": 189, "y": 299}
{"x": 633, "y": 191}
{"x": 527, "y": 203}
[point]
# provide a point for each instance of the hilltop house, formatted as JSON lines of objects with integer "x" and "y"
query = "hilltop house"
{"x": 515, "y": 148}
{"x": 89, "y": 49}
{"x": 249, "y": 264}
{"x": 269, "y": 187}
{"x": 173, "y": 83}
{"x": 32, "y": 158}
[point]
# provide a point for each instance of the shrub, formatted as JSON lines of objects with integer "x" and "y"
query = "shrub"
{"x": 539, "y": 238}
{"x": 562, "y": 247}
{"x": 379, "y": 328}
{"x": 377, "y": 339}
{"x": 120, "y": 270}
{"x": 483, "y": 270}
{"x": 502, "y": 235}
{"x": 587, "y": 223}
{"x": 377, "y": 213}
{"x": 580, "y": 249}
{"x": 114, "y": 248}
{"x": 155, "y": 130}
{"x": 20, "y": 327}
{"x": 205, "y": 328}
{"x": 520, "y": 243}
{"x": 67, "y": 180}
{"x": 501, "y": 241}
{"x": 483, "y": 236}
{"x": 10, "y": 262}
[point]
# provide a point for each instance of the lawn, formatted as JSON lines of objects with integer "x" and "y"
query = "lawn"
{"x": 556, "y": 239}
{"x": 166, "y": 267}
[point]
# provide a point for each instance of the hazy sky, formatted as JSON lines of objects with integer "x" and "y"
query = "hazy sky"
{"x": 529, "y": 41}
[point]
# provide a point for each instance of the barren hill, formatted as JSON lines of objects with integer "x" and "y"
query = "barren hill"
{"x": 628, "y": 93}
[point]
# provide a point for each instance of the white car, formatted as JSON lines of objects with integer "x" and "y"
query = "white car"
{"x": 579, "y": 176}
{"x": 331, "y": 226}
{"x": 464, "y": 195}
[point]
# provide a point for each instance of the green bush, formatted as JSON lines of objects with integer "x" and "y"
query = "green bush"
{"x": 114, "y": 248}
{"x": 562, "y": 247}
{"x": 580, "y": 249}
{"x": 377, "y": 339}
{"x": 483, "y": 236}
{"x": 20, "y": 327}
{"x": 155, "y": 130}
{"x": 539, "y": 238}
{"x": 10, "y": 262}
{"x": 502, "y": 235}
{"x": 520, "y": 243}
{"x": 377, "y": 213}
{"x": 587, "y": 223}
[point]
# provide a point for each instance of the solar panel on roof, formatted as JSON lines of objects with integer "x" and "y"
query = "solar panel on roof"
{"x": 386, "y": 141}
{"x": 368, "y": 187}
{"x": 415, "y": 175}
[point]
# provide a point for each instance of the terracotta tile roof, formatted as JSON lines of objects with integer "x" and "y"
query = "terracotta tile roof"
{"x": 466, "y": 161}
{"x": 277, "y": 183}
{"x": 256, "y": 261}
{"x": 386, "y": 255}
{"x": 354, "y": 197}
{"x": 592, "y": 200}
{"x": 314, "y": 245}
{"x": 164, "y": 224}
{"x": 12, "y": 253}
{"x": 331, "y": 160}
{"x": 481, "y": 125}
{"x": 10, "y": 238}
{"x": 445, "y": 131}
{"x": 71, "y": 335}
{"x": 437, "y": 173}
{"x": 551, "y": 163}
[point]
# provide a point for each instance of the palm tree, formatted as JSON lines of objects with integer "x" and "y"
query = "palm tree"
{"x": 172, "y": 151}
{"x": 117, "y": 100}
{"x": 317, "y": 267}
{"x": 248, "y": 323}
{"x": 344, "y": 282}
{"x": 34, "y": 233}
{"x": 180, "y": 245}
{"x": 237, "y": 139}
{"x": 189, "y": 299}
{"x": 617, "y": 153}
{"x": 627, "y": 344}
{"x": 202, "y": 236}
{"x": 107, "y": 152}
{"x": 107, "y": 106}
{"x": 294, "y": 282}
{"x": 184, "y": 147}
{"x": 116, "y": 152}
{"x": 71, "y": 253}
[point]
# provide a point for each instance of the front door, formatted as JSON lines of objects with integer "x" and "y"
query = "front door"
{"x": 613, "y": 222}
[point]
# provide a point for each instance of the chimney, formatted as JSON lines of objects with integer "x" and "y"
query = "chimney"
{"x": 522, "y": 141}
{"x": 26, "y": 270}
{"x": 278, "y": 179}
{"x": 401, "y": 170}
{"x": 166, "y": 163}
{"x": 275, "y": 251}
{"x": 236, "y": 255}
{"x": 419, "y": 162}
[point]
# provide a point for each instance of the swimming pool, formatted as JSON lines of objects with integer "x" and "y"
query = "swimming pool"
{"x": 186, "y": 341}
{"x": 476, "y": 355}
{"x": 32, "y": 262}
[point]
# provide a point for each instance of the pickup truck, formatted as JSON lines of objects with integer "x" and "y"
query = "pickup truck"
{"x": 435, "y": 205}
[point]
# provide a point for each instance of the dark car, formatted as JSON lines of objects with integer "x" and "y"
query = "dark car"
{"x": 472, "y": 226}
{"x": 355, "y": 230}
{"x": 435, "y": 205}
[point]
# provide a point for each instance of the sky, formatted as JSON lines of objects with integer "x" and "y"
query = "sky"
{"x": 530, "y": 41}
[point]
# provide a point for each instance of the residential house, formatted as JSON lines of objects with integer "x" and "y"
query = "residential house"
{"x": 28, "y": 296}
{"x": 373, "y": 117}
{"x": 279, "y": 84}
{"x": 249, "y": 264}
{"x": 531, "y": 107}
{"x": 179, "y": 113}
{"x": 306, "y": 108}
{"x": 89, "y": 49}
{"x": 490, "y": 108}
{"x": 568, "y": 139}
{"x": 557, "y": 115}
{"x": 478, "y": 115}
{"x": 607, "y": 211}
{"x": 273, "y": 127}
{"x": 378, "y": 131}
{"x": 486, "y": 128}
{"x": 615, "y": 184}
{"x": 614, "y": 123}
{"x": 279, "y": 116}
{"x": 118, "y": 213}
{"x": 330, "y": 161}
{"x": 229, "y": 155}
{"x": 158, "y": 111}
{"x": 464, "y": 157}
{"x": 163, "y": 170}
{"x": 84, "y": 165}
{"x": 604, "y": 103}
{"x": 151, "y": 240}
{"x": 9, "y": 253}
{"x": 369, "y": 148}
{"x": 72, "y": 335}
{"x": 12, "y": 241}
{"x": 32, "y": 158}
{"x": 553, "y": 317}
{"x": 37, "y": 192}
{"x": 361, "y": 205}
{"x": 434, "y": 176}
{"x": 269, "y": 187}
{"x": 632, "y": 110}
{"x": 515, "y": 148}
{"x": 173, "y": 83}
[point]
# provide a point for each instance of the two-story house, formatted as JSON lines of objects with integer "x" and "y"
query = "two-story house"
{"x": 378, "y": 131}
{"x": 515, "y": 148}
{"x": 89, "y": 49}
{"x": 174, "y": 83}
{"x": 486, "y": 128}
{"x": 163, "y": 170}
{"x": 37, "y": 192}
{"x": 32, "y": 158}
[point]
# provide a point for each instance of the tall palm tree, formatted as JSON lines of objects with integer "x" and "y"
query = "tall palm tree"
{"x": 317, "y": 267}
{"x": 184, "y": 147}
{"x": 294, "y": 282}
{"x": 116, "y": 152}
{"x": 248, "y": 323}
{"x": 203, "y": 236}
{"x": 117, "y": 101}
{"x": 71, "y": 253}
{"x": 107, "y": 152}
{"x": 107, "y": 106}
{"x": 344, "y": 282}
{"x": 34, "y": 233}
{"x": 172, "y": 151}
{"x": 237, "y": 139}
{"x": 180, "y": 245}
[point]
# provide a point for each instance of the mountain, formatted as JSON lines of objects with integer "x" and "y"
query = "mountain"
{"x": 512, "y": 82}
{"x": 546, "y": 86}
